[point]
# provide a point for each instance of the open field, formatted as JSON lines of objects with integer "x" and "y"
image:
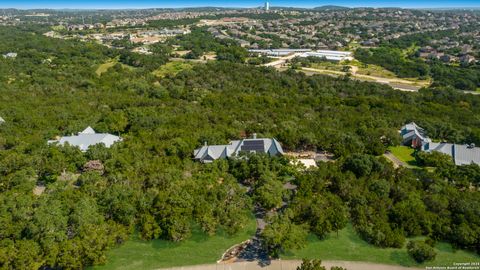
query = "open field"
{"x": 172, "y": 68}
{"x": 198, "y": 249}
{"x": 350, "y": 247}
{"x": 107, "y": 65}
{"x": 398, "y": 84}
{"x": 378, "y": 71}
{"x": 328, "y": 66}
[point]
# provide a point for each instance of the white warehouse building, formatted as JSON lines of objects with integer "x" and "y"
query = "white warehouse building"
{"x": 329, "y": 55}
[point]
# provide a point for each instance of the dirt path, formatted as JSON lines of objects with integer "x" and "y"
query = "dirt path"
{"x": 292, "y": 265}
{"x": 399, "y": 84}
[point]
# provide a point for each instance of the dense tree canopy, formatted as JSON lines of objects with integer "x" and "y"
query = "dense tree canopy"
{"x": 149, "y": 184}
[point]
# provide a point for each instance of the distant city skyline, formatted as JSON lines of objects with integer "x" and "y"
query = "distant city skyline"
{"x": 129, "y": 4}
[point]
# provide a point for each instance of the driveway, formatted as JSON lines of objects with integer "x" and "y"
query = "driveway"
{"x": 292, "y": 265}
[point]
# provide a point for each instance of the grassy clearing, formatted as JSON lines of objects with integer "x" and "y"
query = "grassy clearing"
{"x": 349, "y": 246}
{"x": 374, "y": 70}
{"x": 107, "y": 65}
{"x": 404, "y": 153}
{"x": 328, "y": 66}
{"x": 378, "y": 71}
{"x": 198, "y": 249}
{"x": 172, "y": 68}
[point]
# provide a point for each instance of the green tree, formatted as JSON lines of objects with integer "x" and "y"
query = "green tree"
{"x": 420, "y": 251}
{"x": 281, "y": 234}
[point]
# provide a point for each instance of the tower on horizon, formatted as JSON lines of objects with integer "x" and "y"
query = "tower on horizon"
{"x": 267, "y": 6}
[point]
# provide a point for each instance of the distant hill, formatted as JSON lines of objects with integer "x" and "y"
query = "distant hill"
{"x": 330, "y": 7}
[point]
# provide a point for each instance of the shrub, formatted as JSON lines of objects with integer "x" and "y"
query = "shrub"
{"x": 421, "y": 251}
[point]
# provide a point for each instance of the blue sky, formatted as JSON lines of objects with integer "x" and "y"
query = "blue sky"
{"x": 117, "y": 4}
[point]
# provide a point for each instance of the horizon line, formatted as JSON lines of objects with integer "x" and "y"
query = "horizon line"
{"x": 234, "y": 7}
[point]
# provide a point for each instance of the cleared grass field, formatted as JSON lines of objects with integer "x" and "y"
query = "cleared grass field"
{"x": 107, "y": 65}
{"x": 198, "y": 249}
{"x": 328, "y": 66}
{"x": 172, "y": 68}
{"x": 348, "y": 246}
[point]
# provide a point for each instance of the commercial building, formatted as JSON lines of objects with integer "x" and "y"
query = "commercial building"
{"x": 278, "y": 52}
{"x": 330, "y": 55}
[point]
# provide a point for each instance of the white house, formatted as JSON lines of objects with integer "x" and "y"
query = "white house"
{"x": 10, "y": 55}
{"x": 87, "y": 138}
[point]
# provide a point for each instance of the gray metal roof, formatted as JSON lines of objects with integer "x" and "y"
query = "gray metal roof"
{"x": 209, "y": 153}
{"x": 87, "y": 138}
{"x": 461, "y": 154}
{"x": 411, "y": 129}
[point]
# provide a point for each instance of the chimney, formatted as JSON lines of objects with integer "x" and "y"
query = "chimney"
{"x": 254, "y": 135}
{"x": 205, "y": 143}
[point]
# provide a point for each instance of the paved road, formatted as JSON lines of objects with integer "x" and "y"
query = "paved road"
{"x": 292, "y": 265}
{"x": 396, "y": 162}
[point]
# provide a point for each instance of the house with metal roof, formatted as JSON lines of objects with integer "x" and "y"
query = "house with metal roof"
{"x": 10, "y": 55}
{"x": 87, "y": 138}
{"x": 461, "y": 154}
{"x": 209, "y": 153}
{"x": 414, "y": 136}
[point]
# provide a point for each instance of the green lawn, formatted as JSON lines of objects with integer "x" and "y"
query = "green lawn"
{"x": 199, "y": 249}
{"x": 350, "y": 247}
{"x": 404, "y": 153}
{"x": 172, "y": 68}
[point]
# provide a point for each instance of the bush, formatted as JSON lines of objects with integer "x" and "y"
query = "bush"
{"x": 421, "y": 251}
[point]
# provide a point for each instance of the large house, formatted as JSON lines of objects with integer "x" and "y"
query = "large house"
{"x": 87, "y": 138}
{"x": 414, "y": 136}
{"x": 461, "y": 154}
{"x": 209, "y": 153}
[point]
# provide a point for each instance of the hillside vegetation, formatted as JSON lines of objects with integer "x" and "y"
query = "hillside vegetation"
{"x": 151, "y": 187}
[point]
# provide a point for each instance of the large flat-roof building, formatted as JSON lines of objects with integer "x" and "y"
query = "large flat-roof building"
{"x": 278, "y": 52}
{"x": 209, "y": 153}
{"x": 87, "y": 138}
{"x": 329, "y": 55}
